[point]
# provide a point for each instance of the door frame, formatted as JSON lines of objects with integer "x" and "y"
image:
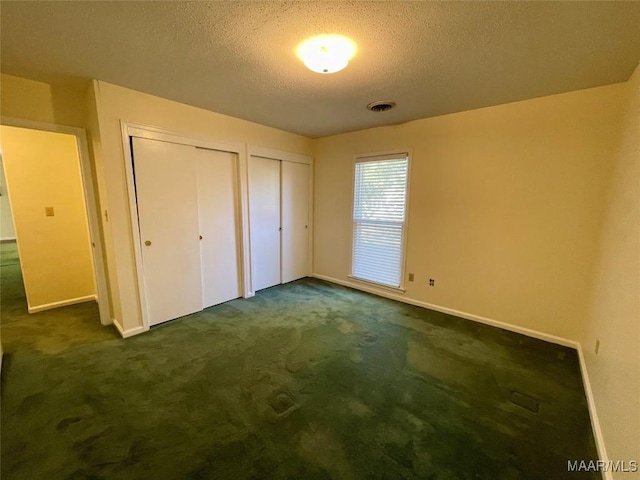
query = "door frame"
{"x": 273, "y": 154}
{"x": 130, "y": 130}
{"x": 91, "y": 205}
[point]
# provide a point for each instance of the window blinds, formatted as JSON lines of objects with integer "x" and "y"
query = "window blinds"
{"x": 379, "y": 219}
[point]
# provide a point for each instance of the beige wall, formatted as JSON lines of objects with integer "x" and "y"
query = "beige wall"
{"x": 505, "y": 205}
{"x": 525, "y": 213}
{"x": 41, "y": 102}
{"x": 94, "y": 145}
{"x": 115, "y": 104}
{"x": 34, "y": 101}
{"x": 43, "y": 170}
{"x": 614, "y": 312}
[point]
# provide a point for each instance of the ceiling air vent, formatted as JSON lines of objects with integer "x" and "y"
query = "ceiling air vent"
{"x": 381, "y": 106}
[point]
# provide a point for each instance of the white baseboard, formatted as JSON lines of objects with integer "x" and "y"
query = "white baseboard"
{"x": 128, "y": 333}
{"x": 7, "y": 239}
{"x": 62, "y": 303}
{"x": 595, "y": 422}
{"x": 469, "y": 316}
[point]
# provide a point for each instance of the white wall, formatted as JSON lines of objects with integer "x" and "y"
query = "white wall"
{"x": 43, "y": 170}
{"x": 613, "y": 315}
{"x": 115, "y": 104}
{"x": 505, "y": 205}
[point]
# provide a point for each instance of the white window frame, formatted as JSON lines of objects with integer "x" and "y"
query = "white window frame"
{"x": 380, "y": 156}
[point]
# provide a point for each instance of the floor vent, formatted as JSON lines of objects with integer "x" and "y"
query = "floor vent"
{"x": 525, "y": 401}
{"x": 282, "y": 403}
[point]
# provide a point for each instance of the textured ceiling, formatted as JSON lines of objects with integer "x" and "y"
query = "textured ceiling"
{"x": 238, "y": 58}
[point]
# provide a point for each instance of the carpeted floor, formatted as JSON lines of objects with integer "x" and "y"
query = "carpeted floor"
{"x": 306, "y": 380}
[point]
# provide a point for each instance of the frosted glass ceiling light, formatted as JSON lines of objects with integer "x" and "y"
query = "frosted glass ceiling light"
{"x": 326, "y": 53}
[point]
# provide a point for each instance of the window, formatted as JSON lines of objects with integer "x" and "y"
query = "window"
{"x": 379, "y": 212}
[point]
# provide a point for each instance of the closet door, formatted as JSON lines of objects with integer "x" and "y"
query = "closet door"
{"x": 264, "y": 218}
{"x": 217, "y": 206}
{"x": 295, "y": 221}
{"x": 166, "y": 194}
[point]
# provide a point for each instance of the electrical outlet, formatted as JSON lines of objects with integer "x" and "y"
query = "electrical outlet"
{"x": 48, "y": 211}
{"x": 411, "y": 277}
{"x": 432, "y": 282}
{"x": 597, "y": 349}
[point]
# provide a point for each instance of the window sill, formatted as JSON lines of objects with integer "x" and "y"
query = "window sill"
{"x": 377, "y": 285}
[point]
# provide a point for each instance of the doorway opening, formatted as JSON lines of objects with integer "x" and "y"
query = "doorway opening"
{"x": 49, "y": 192}
{"x": 11, "y": 283}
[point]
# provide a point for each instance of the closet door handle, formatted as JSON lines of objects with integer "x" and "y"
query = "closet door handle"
{"x": 200, "y": 237}
{"x": 147, "y": 243}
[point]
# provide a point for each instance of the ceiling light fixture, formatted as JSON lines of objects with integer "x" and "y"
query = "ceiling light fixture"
{"x": 326, "y": 53}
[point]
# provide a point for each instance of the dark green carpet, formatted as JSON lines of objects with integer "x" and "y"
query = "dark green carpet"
{"x": 305, "y": 381}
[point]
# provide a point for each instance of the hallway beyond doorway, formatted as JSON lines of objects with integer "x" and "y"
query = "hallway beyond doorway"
{"x": 51, "y": 330}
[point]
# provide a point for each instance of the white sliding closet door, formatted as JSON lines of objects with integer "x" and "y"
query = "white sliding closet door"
{"x": 295, "y": 221}
{"x": 219, "y": 246}
{"x": 264, "y": 213}
{"x": 166, "y": 192}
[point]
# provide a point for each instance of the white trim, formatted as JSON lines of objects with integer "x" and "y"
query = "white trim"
{"x": 135, "y": 229}
{"x": 91, "y": 205}
{"x": 595, "y": 421}
{"x": 62, "y": 303}
{"x": 243, "y": 211}
{"x": 279, "y": 155}
{"x": 129, "y": 130}
{"x": 156, "y": 133}
{"x": 128, "y": 333}
{"x": 93, "y": 222}
{"x": 381, "y": 286}
{"x": 370, "y": 156}
{"x": 34, "y": 125}
{"x": 469, "y": 316}
{"x": 311, "y": 223}
{"x": 264, "y": 152}
{"x": 367, "y": 157}
{"x": 250, "y": 291}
